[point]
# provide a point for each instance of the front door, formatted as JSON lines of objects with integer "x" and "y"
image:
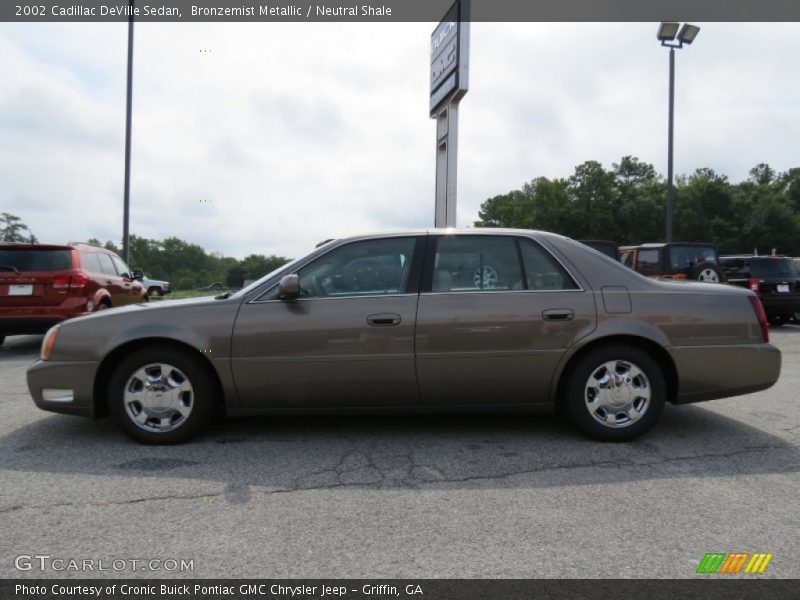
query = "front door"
{"x": 347, "y": 341}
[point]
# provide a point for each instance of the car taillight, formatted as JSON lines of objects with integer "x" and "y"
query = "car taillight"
{"x": 761, "y": 315}
{"x": 76, "y": 281}
{"x": 60, "y": 282}
{"x": 753, "y": 284}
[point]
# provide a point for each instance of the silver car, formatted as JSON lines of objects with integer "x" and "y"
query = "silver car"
{"x": 435, "y": 320}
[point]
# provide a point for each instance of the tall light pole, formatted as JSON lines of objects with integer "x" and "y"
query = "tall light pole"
{"x": 127, "y": 193}
{"x": 672, "y": 36}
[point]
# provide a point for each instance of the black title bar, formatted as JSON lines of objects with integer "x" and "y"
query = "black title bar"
{"x": 398, "y": 10}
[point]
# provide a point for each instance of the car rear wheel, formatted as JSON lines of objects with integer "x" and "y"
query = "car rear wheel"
{"x": 2, "y": 339}
{"x": 161, "y": 396}
{"x": 615, "y": 393}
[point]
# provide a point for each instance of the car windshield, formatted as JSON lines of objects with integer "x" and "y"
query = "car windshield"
{"x": 32, "y": 259}
{"x": 774, "y": 267}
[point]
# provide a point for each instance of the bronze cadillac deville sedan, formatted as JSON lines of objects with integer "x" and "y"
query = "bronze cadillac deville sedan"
{"x": 431, "y": 321}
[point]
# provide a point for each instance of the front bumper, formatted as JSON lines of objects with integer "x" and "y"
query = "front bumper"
{"x": 707, "y": 373}
{"x": 63, "y": 387}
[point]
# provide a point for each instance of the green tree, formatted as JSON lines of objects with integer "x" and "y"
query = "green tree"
{"x": 12, "y": 229}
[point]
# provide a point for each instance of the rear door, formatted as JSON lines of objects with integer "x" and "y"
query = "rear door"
{"x": 495, "y": 316}
{"x": 28, "y": 272}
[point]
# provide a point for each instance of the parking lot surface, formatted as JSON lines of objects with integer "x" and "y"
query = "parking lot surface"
{"x": 405, "y": 496}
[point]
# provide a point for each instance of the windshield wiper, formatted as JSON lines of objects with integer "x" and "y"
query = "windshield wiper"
{"x": 10, "y": 268}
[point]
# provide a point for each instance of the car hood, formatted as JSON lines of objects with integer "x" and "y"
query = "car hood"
{"x": 149, "y": 307}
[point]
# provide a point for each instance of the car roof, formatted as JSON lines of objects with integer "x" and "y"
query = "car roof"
{"x": 651, "y": 245}
{"x": 743, "y": 256}
{"x": 451, "y": 231}
{"x": 36, "y": 246}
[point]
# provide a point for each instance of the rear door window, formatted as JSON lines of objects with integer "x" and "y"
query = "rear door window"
{"x": 31, "y": 259}
{"x": 476, "y": 263}
{"x": 91, "y": 262}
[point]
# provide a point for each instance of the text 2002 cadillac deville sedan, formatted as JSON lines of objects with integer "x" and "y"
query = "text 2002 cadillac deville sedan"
{"x": 430, "y": 321}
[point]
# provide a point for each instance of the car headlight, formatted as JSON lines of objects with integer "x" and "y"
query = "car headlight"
{"x": 49, "y": 341}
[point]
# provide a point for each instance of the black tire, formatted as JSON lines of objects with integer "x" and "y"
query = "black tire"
{"x": 2, "y": 339}
{"x": 776, "y": 321}
{"x": 202, "y": 397}
{"x": 576, "y": 393}
{"x": 708, "y": 272}
{"x": 104, "y": 305}
{"x": 796, "y": 317}
{"x": 154, "y": 291}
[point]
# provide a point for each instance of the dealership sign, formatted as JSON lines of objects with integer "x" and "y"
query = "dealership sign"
{"x": 449, "y": 72}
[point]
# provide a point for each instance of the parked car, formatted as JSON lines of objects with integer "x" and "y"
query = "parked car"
{"x": 43, "y": 284}
{"x": 776, "y": 280}
{"x": 442, "y": 320}
{"x": 610, "y": 249}
{"x": 676, "y": 260}
{"x": 153, "y": 287}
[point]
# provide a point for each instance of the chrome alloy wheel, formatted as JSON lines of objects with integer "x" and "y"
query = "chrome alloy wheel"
{"x": 489, "y": 279}
{"x": 158, "y": 397}
{"x": 617, "y": 393}
{"x": 709, "y": 275}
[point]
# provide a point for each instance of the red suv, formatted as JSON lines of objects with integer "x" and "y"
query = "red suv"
{"x": 42, "y": 284}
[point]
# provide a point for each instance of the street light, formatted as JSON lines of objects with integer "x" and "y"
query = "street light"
{"x": 126, "y": 200}
{"x": 672, "y": 35}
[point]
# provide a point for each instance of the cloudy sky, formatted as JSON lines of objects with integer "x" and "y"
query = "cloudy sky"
{"x": 270, "y": 137}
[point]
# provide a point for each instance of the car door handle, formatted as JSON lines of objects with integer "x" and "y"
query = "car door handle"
{"x": 384, "y": 320}
{"x": 558, "y": 314}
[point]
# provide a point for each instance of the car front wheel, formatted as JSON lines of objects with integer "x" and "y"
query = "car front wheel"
{"x": 161, "y": 396}
{"x": 615, "y": 393}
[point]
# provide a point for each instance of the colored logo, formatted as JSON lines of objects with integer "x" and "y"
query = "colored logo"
{"x": 734, "y": 563}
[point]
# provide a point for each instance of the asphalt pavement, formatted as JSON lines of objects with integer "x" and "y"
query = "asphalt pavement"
{"x": 401, "y": 496}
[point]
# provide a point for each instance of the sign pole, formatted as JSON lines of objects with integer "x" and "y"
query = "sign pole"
{"x": 449, "y": 82}
{"x": 446, "y": 165}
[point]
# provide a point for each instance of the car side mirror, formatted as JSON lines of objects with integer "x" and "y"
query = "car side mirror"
{"x": 289, "y": 287}
{"x": 138, "y": 275}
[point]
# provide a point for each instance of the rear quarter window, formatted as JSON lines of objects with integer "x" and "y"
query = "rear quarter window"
{"x": 30, "y": 259}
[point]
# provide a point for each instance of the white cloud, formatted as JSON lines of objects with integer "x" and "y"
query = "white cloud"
{"x": 300, "y": 132}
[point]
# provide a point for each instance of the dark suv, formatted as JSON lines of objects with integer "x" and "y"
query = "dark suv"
{"x": 677, "y": 260}
{"x": 776, "y": 280}
{"x": 42, "y": 284}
